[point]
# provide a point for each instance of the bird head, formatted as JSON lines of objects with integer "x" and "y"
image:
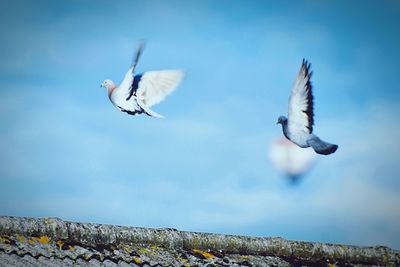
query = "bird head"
{"x": 108, "y": 84}
{"x": 281, "y": 120}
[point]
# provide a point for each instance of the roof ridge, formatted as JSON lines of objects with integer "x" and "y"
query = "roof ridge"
{"x": 92, "y": 234}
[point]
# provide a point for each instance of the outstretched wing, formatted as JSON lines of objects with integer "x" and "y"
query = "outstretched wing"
{"x": 125, "y": 89}
{"x": 154, "y": 86}
{"x": 301, "y": 114}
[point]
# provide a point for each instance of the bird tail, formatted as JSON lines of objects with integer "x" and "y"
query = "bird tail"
{"x": 148, "y": 111}
{"x": 321, "y": 147}
{"x": 152, "y": 113}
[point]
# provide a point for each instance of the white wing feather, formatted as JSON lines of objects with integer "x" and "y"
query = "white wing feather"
{"x": 300, "y": 114}
{"x": 123, "y": 90}
{"x": 154, "y": 86}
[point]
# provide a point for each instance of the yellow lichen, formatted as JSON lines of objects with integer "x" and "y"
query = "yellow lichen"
{"x": 137, "y": 260}
{"x": 21, "y": 238}
{"x": 153, "y": 253}
{"x": 5, "y": 239}
{"x": 127, "y": 249}
{"x": 143, "y": 251}
{"x": 72, "y": 248}
{"x": 43, "y": 239}
{"x": 155, "y": 247}
{"x": 59, "y": 244}
{"x": 205, "y": 254}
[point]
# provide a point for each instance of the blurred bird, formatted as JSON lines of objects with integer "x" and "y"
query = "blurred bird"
{"x": 290, "y": 159}
{"x": 137, "y": 93}
{"x": 298, "y": 127}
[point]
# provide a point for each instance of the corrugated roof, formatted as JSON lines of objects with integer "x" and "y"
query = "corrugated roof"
{"x": 54, "y": 242}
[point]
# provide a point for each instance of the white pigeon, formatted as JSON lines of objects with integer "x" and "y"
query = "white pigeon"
{"x": 298, "y": 127}
{"x": 137, "y": 93}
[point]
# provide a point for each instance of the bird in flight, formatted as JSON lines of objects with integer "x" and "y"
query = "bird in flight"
{"x": 137, "y": 93}
{"x": 298, "y": 126}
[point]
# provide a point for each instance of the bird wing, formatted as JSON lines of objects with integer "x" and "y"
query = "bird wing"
{"x": 301, "y": 114}
{"x": 123, "y": 91}
{"x": 154, "y": 86}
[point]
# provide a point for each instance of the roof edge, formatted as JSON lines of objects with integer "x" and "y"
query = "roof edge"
{"x": 96, "y": 234}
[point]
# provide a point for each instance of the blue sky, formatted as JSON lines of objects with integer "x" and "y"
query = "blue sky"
{"x": 67, "y": 152}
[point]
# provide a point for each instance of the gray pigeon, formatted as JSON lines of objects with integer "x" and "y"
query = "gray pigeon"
{"x": 298, "y": 126}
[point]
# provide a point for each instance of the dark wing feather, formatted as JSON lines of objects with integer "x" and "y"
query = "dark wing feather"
{"x": 310, "y": 98}
{"x": 135, "y": 85}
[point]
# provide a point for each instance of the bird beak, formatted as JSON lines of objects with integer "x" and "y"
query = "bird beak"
{"x": 277, "y": 122}
{"x": 102, "y": 85}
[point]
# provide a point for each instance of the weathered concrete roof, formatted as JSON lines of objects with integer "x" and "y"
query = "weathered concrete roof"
{"x": 54, "y": 242}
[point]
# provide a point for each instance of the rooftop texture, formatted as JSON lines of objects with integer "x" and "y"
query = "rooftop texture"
{"x": 54, "y": 242}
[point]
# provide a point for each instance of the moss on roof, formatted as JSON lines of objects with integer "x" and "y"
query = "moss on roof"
{"x": 52, "y": 241}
